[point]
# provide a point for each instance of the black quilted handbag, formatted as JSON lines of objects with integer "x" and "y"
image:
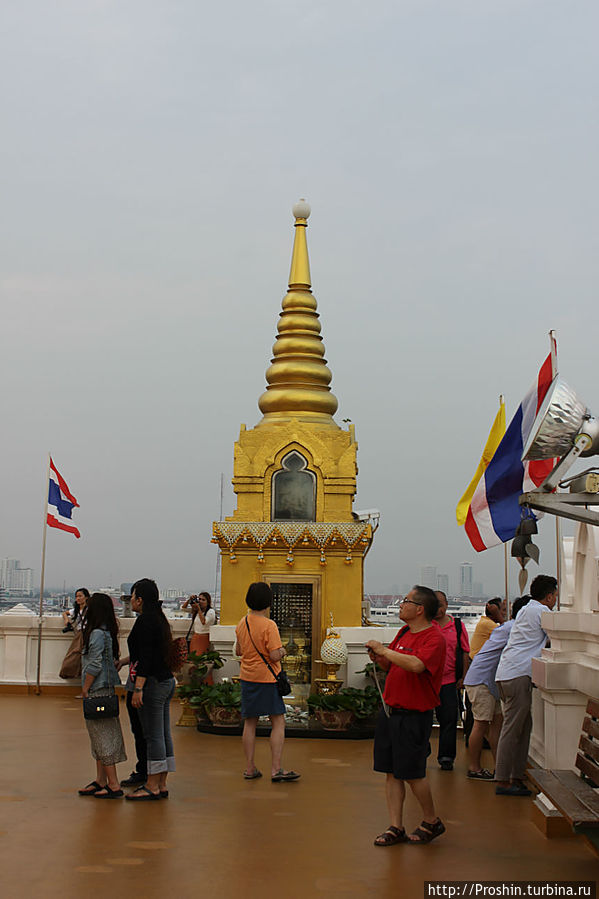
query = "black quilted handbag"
{"x": 95, "y": 707}
{"x": 107, "y": 706}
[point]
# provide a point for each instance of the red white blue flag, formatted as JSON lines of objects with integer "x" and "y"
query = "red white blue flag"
{"x": 61, "y": 503}
{"x": 495, "y": 512}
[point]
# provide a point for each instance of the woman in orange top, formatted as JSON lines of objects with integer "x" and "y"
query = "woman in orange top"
{"x": 259, "y": 643}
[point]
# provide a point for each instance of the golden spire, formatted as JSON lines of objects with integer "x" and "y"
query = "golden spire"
{"x": 298, "y": 378}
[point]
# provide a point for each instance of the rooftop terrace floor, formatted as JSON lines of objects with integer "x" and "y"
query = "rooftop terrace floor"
{"x": 219, "y": 835}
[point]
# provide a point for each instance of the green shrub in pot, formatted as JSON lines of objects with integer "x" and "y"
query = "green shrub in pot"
{"x": 363, "y": 703}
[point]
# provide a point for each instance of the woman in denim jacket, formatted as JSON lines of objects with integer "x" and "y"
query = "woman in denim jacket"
{"x": 99, "y": 677}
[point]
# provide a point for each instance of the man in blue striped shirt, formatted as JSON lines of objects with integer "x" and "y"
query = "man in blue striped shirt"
{"x": 484, "y": 696}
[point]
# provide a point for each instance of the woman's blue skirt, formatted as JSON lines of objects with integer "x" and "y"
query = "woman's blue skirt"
{"x": 260, "y": 699}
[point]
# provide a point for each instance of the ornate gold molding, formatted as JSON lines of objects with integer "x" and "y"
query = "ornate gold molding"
{"x": 353, "y": 536}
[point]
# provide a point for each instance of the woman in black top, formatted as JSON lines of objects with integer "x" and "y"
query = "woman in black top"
{"x": 154, "y": 685}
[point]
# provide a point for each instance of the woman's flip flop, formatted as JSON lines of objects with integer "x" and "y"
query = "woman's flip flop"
{"x": 91, "y": 789}
{"x": 148, "y": 797}
{"x": 109, "y": 794}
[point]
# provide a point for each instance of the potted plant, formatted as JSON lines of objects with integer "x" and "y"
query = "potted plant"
{"x": 338, "y": 711}
{"x": 201, "y": 664}
{"x": 192, "y": 691}
{"x": 223, "y": 703}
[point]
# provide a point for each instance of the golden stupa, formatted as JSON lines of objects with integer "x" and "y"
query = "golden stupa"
{"x": 294, "y": 474}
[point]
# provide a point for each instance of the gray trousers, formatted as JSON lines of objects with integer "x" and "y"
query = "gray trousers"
{"x": 512, "y": 749}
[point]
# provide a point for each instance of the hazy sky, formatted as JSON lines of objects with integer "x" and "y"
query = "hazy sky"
{"x": 151, "y": 153}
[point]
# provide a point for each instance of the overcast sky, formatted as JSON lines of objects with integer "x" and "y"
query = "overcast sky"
{"x": 151, "y": 153}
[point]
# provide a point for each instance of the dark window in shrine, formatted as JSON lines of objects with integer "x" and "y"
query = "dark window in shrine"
{"x": 294, "y": 490}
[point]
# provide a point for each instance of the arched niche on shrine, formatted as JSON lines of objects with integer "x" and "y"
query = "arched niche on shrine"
{"x": 293, "y": 492}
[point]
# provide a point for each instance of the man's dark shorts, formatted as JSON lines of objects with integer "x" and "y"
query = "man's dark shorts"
{"x": 401, "y": 743}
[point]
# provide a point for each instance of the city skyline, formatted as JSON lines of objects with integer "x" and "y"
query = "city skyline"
{"x": 429, "y": 576}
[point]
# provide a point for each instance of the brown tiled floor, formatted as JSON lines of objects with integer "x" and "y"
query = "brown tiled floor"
{"x": 219, "y": 835}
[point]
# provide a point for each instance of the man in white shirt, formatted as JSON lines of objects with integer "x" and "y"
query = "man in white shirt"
{"x": 514, "y": 682}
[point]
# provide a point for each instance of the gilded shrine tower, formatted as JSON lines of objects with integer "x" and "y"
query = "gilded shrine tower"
{"x": 295, "y": 479}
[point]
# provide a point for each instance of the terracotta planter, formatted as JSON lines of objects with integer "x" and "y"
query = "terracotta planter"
{"x": 337, "y": 720}
{"x": 222, "y": 717}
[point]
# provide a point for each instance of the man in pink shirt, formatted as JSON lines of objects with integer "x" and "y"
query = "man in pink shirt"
{"x": 457, "y": 660}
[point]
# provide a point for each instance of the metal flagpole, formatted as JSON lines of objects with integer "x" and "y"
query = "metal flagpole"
{"x": 506, "y": 581}
{"x": 38, "y": 689}
{"x": 558, "y": 553}
{"x": 218, "y": 553}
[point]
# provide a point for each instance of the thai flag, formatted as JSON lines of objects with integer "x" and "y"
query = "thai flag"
{"x": 495, "y": 512}
{"x": 61, "y": 503}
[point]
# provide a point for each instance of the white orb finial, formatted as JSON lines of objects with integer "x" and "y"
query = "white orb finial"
{"x": 301, "y": 209}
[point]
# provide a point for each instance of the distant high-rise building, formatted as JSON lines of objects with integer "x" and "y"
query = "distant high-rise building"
{"x": 15, "y": 581}
{"x": 477, "y": 589}
{"x": 465, "y": 579}
{"x": 428, "y": 576}
{"x": 7, "y": 566}
{"x": 443, "y": 583}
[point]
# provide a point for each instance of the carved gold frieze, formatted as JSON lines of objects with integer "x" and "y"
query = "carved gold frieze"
{"x": 351, "y": 537}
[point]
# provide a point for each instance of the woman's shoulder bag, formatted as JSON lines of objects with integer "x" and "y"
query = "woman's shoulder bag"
{"x": 95, "y": 707}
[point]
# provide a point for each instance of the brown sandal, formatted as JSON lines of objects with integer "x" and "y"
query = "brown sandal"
{"x": 391, "y": 836}
{"x": 427, "y": 831}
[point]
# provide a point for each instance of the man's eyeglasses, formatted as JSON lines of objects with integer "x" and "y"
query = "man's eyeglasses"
{"x": 413, "y": 601}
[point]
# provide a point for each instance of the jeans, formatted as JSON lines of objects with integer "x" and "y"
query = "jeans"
{"x": 138, "y": 736}
{"x": 447, "y": 716}
{"x": 155, "y": 720}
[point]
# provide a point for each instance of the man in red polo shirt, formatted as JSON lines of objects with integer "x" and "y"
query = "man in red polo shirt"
{"x": 414, "y": 662}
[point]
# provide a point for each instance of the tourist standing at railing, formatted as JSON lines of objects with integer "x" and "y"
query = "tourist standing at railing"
{"x": 457, "y": 660}
{"x": 486, "y": 624}
{"x": 493, "y": 617}
{"x": 71, "y": 664}
{"x": 150, "y": 644}
{"x": 514, "y": 681}
{"x": 483, "y": 695}
{"x": 204, "y": 617}
{"x": 414, "y": 662}
{"x": 99, "y": 678}
{"x": 260, "y": 648}
{"x": 75, "y": 619}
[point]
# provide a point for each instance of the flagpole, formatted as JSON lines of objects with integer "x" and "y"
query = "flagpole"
{"x": 38, "y": 689}
{"x": 558, "y": 554}
{"x": 218, "y": 557}
{"x": 558, "y": 538}
{"x": 506, "y": 581}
